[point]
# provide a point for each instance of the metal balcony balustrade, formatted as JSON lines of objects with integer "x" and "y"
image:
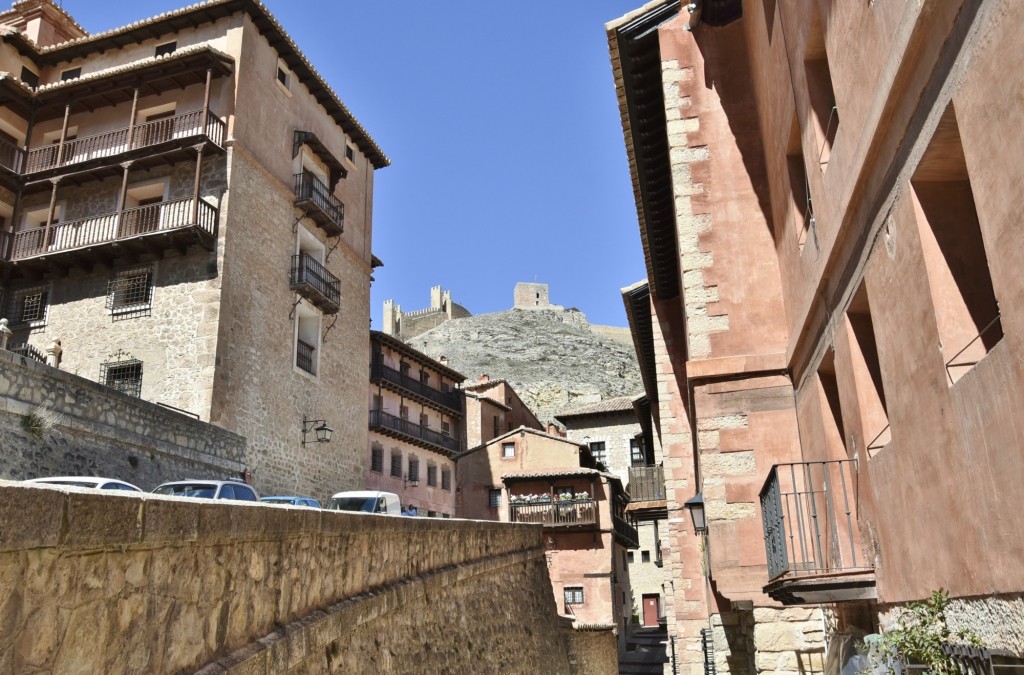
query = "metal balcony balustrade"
{"x": 807, "y": 510}
{"x": 148, "y": 134}
{"x": 315, "y": 283}
{"x": 304, "y": 357}
{"x": 386, "y": 422}
{"x": 646, "y": 483}
{"x": 451, "y": 400}
{"x": 559, "y": 513}
{"x": 163, "y": 217}
{"x": 316, "y": 200}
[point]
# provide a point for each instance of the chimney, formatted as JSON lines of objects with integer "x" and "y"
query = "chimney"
{"x": 484, "y": 377}
{"x": 555, "y": 430}
{"x": 443, "y": 359}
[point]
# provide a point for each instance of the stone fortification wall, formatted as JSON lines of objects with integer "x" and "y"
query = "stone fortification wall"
{"x": 106, "y": 583}
{"x": 593, "y": 652}
{"x": 56, "y": 423}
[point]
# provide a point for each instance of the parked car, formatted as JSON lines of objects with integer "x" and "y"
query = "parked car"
{"x": 292, "y": 501}
{"x": 367, "y": 501}
{"x": 92, "y": 482}
{"x": 209, "y": 489}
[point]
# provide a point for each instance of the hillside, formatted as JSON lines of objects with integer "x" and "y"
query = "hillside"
{"x": 550, "y": 356}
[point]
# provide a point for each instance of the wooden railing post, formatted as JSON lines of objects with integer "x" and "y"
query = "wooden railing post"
{"x": 131, "y": 120}
{"x": 206, "y": 102}
{"x": 195, "y": 186}
{"x": 63, "y": 134}
{"x": 49, "y": 213}
{"x": 122, "y": 198}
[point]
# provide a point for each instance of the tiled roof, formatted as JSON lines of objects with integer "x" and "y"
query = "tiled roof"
{"x": 609, "y": 405}
{"x": 563, "y": 473}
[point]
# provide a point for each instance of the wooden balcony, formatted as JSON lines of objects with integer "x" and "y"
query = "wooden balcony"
{"x": 561, "y": 513}
{"x": 415, "y": 389}
{"x": 315, "y": 283}
{"x": 100, "y": 238}
{"x": 160, "y": 137}
{"x": 410, "y": 431}
{"x": 318, "y": 203}
{"x": 646, "y": 483}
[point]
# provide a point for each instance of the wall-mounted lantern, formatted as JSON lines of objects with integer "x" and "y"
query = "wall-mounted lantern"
{"x": 319, "y": 428}
{"x": 695, "y": 505}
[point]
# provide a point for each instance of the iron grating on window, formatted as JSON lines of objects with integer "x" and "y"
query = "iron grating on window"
{"x": 130, "y": 292}
{"x": 122, "y": 373}
{"x": 377, "y": 459}
{"x": 573, "y": 595}
{"x": 29, "y": 307}
{"x": 396, "y": 465}
{"x": 432, "y": 475}
{"x": 446, "y": 480}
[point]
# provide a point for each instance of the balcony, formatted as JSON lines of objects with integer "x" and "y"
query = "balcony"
{"x": 811, "y": 537}
{"x": 562, "y": 513}
{"x": 646, "y": 483}
{"x": 625, "y": 532}
{"x": 109, "y": 149}
{"x": 11, "y": 156}
{"x": 420, "y": 391}
{"x": 408, "y": 430}
{"x": 315, "y": 283}
{"x": 318, "y": 203}
{"x": 177, "y": 223}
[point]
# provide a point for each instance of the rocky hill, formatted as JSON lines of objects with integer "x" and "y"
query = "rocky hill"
{"x": 551, "y": 357}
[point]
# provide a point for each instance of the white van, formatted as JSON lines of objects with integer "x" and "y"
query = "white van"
{"x": 367, "y": 501}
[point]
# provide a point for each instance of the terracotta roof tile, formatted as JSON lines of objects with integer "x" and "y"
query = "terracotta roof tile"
{"x": 609, "y": 405}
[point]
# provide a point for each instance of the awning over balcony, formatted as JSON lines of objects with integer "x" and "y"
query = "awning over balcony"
{"x": 334, "y": 165}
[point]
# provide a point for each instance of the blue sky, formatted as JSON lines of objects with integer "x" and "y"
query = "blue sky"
{"x": 502, "y": 126}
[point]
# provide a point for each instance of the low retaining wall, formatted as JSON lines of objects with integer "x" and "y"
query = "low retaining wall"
{"x": 55, "y": 423}
{"x": 112, "y": 583}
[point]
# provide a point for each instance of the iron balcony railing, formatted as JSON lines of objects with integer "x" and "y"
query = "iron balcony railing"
{"x": 383, "y": 420}
{"x": 807, "y": 509}
{"x": 28, "y": 351}
{"x": 308, "y": 188}
{"x": 11, "y": 156}
{"x": 142, "y": 220}
{"x": 450, "y": 399}
{"x": 304, "y": 357}
{"x": 115, "y": 142}
{"x": 646, "y": 483}
{"x": 626, "y": 533}
{"x": 564, "y": 512}
{"x": 970, "y": 660}
{"x": 309, "y": 276}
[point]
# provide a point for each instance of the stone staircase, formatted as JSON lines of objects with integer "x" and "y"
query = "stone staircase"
{"x": 646, "y": 652}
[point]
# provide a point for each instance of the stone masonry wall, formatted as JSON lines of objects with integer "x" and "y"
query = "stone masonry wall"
{"x": 997, "y": 620}
{"x": 101, "y": 583}
{"x": 788, "y": 641}
{"x": 91, "y": 429}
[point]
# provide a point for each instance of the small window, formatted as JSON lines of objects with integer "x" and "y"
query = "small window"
{"x": 130, "y": 292}
{"x": 629, "y": 557}
{"x": 598, "y": 451}
{"x": 508, "y": 450}
{"x": 414, "y": 469}
{"x": 283, "y": 76}
{"x": 71, "y": 74}
{"x": 573, "y": 595}
{"x": 166, "y": 48}
{"x": 446, "y": 428}
{"x": 350, "y": 154}
{"x": 494, "y": 497}
{"x": 424, "y": 377}
{"x": 377, "y": 459}
{"x": 403, "y": 368}
{"x": 645, "y": 556}
{"x": 122, "y": 373}
{"x": 396, "y": 464}
{"x": 29, "y": 307}
{"x": 446, "y": 479}
{"x": 432, "y": 475}
{"x": 424, "y": 420}
{"x": 307, "y": 339}
{"x": 29, "y": 78}
{"x": 636, "y": 452}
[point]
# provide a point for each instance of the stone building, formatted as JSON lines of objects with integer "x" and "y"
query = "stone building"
{"x": 826, "y": 194}
{"x": 185, "y": 205}
{"x": 493, "y": 408}
{"x": 615, "y": 438}
{"x": 416, "y": 426}
{"x": 529, "y": 476}
{"x": 406, "y": 325}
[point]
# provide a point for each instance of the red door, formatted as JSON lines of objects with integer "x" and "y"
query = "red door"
{"x": 651, "y": 610}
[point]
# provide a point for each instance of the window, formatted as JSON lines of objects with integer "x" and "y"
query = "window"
{"x": 819, "y": 88}
{"x": 403, "y": 412}
{"x": 166, "y": 48}
{"x": 508, "y": 450}
{"x": 414, "y": 469}
{"x": 446, "y": 479}
{"x": 123, "y": 373}
{"x": 629, "y": 557}
{"x": 636, "y": 452}
{"x": 573, "y": 595}
{"x": 445, "y": 388}
{"x": 645, "y": 556}
{"x": 29, "y": 307}
{"x": 377, "y": 458}
{"x": 396, "y": 464}
{"x": 307, "y": 339}
{"x": 431, "y": 514}
{"x": 71, "y": 74}
{"x": 424, "y": 420}
{"x": 432, "y": 475}
{"x": 283, "y": 76}
{"x": 424, "y": 377}
{"x": 130, "y": 292}
{"x": 29, "y": 78}
{"x": 497, "y": 429}
{"x": 350, "y": 154}
{"x": 597, "y": 449}
{"x": 446, "y": 428}
{"x": 494, "y": 497}
{"x": 403, "y": 368}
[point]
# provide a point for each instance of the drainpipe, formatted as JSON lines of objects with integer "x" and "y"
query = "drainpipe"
{"x": 694, "y": 8}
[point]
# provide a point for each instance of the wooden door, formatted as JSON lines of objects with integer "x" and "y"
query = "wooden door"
{"x": 650, "y": 610}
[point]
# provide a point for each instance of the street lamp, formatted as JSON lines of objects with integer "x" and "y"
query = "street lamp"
{"x": 319, "y": 427}
{"x": 695, "y": 505}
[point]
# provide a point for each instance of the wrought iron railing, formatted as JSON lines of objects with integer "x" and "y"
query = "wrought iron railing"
{"x": 625, "y": 531}
{"x": 807, "y": 509}
{"x": 309, "y": 188}
{"x": 383, "y": 420}
{"x": 450, "y": 399}
{"x": 308, "y": 272}
{"x": 557, "y": 513}
{"x": 11, "y": 156}
{"x": 646, "y": 483}
{"x": 970, "y": 660}
{"x": 304, "y": 357}
{"x": 161, "y": 217}
{"x": 28, "y": 351}
{"x": 115, "y": 142}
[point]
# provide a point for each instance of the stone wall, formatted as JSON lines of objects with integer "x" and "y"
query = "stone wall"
{"x": 787, "y": 641}
{"x": 997, "y": 620}
{"x": 124, "y": 583}
{"x": 593, "y": 652}
{"x": 89, "y": 429}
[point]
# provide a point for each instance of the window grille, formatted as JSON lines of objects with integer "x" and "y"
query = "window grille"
{"x": 432, "y": 475}
{"x": 377, "y": 459}
{"x": 494, "y": 497}
{"x": 446, "y": 481}
{"x": 122, "y": 373}
{"x": 573, "y": 595}
{"x": 29, "y": 307}
{"x": 414, "y": 468}
{"x": 446, "y": 428}
{"x": 396, "y": 465}
{"x": 130, "y": 292}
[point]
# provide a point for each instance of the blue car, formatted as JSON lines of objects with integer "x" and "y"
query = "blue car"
{"x": 292, "y": 501}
